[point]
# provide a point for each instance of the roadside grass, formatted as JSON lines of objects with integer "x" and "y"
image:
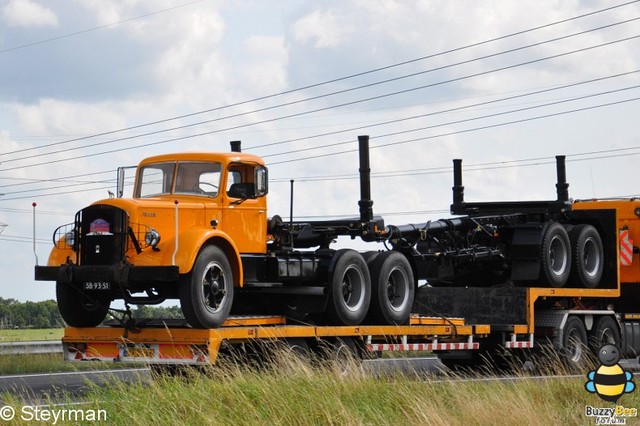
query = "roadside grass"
{"x": 24, "y": 335}
{"x": 51, "y": 363}
{"x": 294, "y": 391}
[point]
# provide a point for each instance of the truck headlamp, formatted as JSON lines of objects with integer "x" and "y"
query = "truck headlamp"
{"x": 70, "y": 238}
{"x": 152, "y": 238}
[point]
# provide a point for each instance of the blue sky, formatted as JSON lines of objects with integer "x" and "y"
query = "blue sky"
{"x": 72, "y": 70}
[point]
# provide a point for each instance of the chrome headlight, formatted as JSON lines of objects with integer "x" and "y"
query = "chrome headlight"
{"x": 152, "y": 238}
{"x": 70, "y": 238}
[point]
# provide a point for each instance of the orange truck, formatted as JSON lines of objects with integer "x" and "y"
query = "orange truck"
{"x": 496, "y": 276}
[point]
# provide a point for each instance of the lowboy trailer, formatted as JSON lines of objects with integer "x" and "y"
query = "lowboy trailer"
{"x": 497, "y": 276}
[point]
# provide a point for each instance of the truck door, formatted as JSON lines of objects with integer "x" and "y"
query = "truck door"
{"x": 245, "y": 217}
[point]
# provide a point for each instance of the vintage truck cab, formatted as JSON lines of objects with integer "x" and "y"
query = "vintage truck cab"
{"x": 179, "y": 236}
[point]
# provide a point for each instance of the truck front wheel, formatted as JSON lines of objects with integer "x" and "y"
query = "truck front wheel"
{"x": 79, "y": 308}
{"x": 206, "y": 293}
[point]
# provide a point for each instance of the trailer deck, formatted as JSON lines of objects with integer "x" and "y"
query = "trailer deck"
{"x": 183, "y": 345}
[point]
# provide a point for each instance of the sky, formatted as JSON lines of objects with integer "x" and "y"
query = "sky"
{"x": 87, "y": 86}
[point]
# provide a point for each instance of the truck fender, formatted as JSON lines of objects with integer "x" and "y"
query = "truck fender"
{"x": 192, "y": 241}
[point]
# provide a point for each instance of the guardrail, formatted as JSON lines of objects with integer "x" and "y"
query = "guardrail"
{"x": 32, "y": 347}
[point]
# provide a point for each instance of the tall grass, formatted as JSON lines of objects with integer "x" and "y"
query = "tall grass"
{"x": 290, "y": 391}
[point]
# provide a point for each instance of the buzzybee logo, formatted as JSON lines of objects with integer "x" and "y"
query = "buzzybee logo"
{"x": 609, "y": 381}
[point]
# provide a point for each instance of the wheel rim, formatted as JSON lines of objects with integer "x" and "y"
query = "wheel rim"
{"x": 397, "y": 289}
{"x": 214, "y": 287}
{"x": 575, "y": 346}
{"x": 591, "y": 257}
{"x": 558, "y": 256}
{"x": 353, "y": 290}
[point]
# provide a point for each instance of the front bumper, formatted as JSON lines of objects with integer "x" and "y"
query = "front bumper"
{"x": 123, "y": 276}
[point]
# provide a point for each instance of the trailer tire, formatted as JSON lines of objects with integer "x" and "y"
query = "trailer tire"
{"x": 574, "y": 344}
{"x": 605, "y": 332}
{"x": 206, "y": 293}
{"x": 393, "y": 288}
{"x": 555, "y": 256}
{"x": 80, "y": 309}
{"x": 349, "y": 288}
{"x": 587, "y": 261}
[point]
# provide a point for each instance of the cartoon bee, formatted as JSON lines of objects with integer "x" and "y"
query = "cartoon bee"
{"x": 609, "y": 381}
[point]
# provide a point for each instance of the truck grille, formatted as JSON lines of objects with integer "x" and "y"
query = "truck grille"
{"x": 102, "y": 234}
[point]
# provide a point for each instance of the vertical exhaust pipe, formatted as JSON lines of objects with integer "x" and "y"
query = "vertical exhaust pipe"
{"x": 458, "y": 189}
{"x": 236, "y": 146}
{"x": 562, "y": 187}
{"x": 365, "y": 203}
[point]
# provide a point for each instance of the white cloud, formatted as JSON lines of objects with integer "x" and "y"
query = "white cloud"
{"x": 325, "y": 28}
{"x": 26, "y": 13}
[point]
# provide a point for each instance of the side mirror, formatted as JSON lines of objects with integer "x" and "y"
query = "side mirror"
{"x": 120, "y": 188}
{"x": 261, "y": 181}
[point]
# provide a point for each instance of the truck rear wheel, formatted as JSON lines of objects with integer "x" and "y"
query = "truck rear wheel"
{"x": 605, "y": 332}
{"x": 349, "y": 288}
{"x": 393, "y": 288}
{"x": 555, "y": 256}
{"x": 587, "y": 260}
{"x": 206, "y": 293}
{"x": 574, "y": 344}
{"x": 79, "y": 308}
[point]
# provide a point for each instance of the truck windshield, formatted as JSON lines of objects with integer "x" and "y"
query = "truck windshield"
{"x": 185, "y": 177}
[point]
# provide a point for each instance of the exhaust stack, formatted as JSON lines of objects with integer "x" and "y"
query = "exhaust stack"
{"x": 562, "y": 187}
{"x": 365, "y": 203}
{"x": 236, "y": 146}
{"x": 458, "y": 189}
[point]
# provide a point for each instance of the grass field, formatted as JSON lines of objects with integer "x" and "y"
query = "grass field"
{"x": 294, "y": 393}
{"x": 12, "y": 335}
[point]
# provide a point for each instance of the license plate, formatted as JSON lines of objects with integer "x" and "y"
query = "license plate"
{"x": 96, "y": 285}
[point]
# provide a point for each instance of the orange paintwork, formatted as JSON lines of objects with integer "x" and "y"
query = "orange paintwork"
{"x": 241, "y": 225}
{"x": 625, "y": 211}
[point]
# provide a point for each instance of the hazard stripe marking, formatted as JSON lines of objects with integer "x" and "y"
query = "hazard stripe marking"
{"x": 626, "y": 248}
{"x": 384, "y": 347}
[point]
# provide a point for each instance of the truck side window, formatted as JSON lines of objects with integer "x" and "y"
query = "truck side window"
{"x": 240, "y": 181}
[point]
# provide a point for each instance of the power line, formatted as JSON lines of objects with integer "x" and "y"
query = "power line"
{"x": 101, "y": 27}
{"x": 491, "y": 126}
{"x": 298, "y": 114}
{"x": 334, "y": 80}
{"x": 30, "y": 181}
{"x": 556, "y": 114}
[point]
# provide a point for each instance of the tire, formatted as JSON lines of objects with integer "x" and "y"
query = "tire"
{"x": 349, "y": 288}
{"x": 392, "y": 289}
{"x": 206, "y": 293}
{"x": 606, "y": 332}
{"x": 79, "y": 308}
{"x": 574, "y": 349}
{"x": 587, "y": 260}
{"x": 344, "y": 355}
{"x": 555, "y": 256}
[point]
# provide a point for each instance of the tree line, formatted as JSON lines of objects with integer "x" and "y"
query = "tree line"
{"x": 45, "y": 314}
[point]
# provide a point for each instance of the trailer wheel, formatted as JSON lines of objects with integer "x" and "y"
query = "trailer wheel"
{"x": 606, "y": 332}
{"x": 393, "y": 288}
{"x": 344, "y": 355}
{"x": 349, "y": 288}
{"x": 574, "y": 344}
{"x": 79, "y": 308}
{"x": 206, "y": 293}
{"x": 555, "y": 256}
{"x": 587, "y": 260}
